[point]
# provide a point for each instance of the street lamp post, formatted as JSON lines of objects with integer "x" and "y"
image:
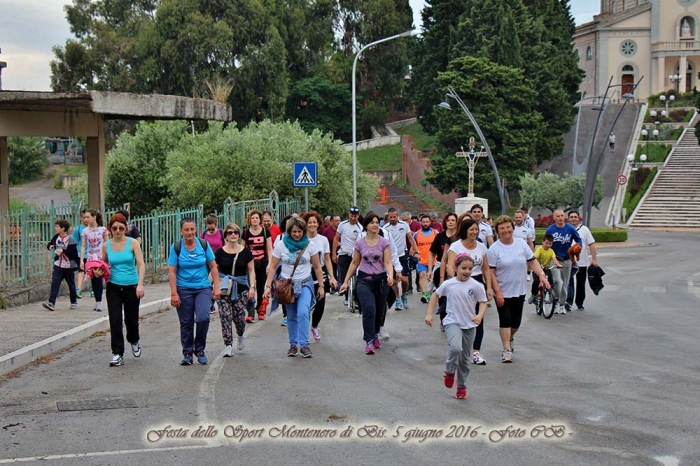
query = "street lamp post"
{"x": 675, "y": 78}
{"x": 453, "y": 94}
{"x": 633, "y": 163}
{"x": 594, "y": 162}
{"x": 412, "y": 32}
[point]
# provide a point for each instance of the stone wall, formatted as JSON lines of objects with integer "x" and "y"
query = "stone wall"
{"x": 414, "y": 164}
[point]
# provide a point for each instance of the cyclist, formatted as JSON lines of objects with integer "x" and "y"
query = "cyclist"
{"x": 548, "y": 260}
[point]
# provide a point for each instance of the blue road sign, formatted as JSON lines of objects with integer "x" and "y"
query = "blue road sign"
{"x": 305, "y": 174}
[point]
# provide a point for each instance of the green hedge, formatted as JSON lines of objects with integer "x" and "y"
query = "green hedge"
{"x": 601, "y": 235}
{"x": 631, "y": 201}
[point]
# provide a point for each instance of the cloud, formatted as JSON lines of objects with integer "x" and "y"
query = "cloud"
{"x": 29, "y": 30}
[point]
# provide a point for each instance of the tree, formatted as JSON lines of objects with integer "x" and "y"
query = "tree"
{"x": 249, "y": 163}
{"x": 317, "y": 103}
{"x": 430, "y": 55}
{"x": 550, "y": 191}
{"x": 136, "y": 166}
{"x": 501, "y": 103}
{"x": 27, "y": 159}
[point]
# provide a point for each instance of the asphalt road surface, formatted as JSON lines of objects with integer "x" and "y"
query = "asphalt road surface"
{"x": 615, "y": 384}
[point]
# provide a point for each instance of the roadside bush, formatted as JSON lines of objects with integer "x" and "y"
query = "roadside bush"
{"x": 601, "y": 235}
{"x": 27, "y": 159}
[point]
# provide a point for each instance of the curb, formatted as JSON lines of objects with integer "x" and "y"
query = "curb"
{"x": 29, "y": 354}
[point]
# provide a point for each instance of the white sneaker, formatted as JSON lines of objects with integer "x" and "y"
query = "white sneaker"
{"x": 241, "y": 342}
{"x": 507, "y": 356}
{"x": 478, "y": 359}
{"x": 136, "y": 349}
{"x": 117, "y": 360}
{"x": 383, "y": 334}
{"x": 228, "y": 351}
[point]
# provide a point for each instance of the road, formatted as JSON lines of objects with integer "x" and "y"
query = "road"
{"x": 621, "y": 379}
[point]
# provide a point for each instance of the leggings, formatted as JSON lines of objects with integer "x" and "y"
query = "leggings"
{"x": 232, "y": 310}
{"x": 372, "y": 291}
{"x": 320, "y": 306}
{"x": 479, "y": 337}
{"x": 510, "y": 315}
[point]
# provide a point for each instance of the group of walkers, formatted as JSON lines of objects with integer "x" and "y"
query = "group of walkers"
{"x": 461, "y": 263}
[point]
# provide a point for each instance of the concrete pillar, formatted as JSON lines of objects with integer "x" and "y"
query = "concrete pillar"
{"x": 95, "y": 152}
{"x": 4, "y": 176}
{"x": 682, "y": 71}
{"x": 660, "y": 74}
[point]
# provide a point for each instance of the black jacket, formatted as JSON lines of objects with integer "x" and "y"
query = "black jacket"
{"x": 595, "y": 278}
{"x": 71, "y": 251}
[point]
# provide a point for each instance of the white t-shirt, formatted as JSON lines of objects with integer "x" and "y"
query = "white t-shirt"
{"x": 530, "y": 223}
{"x": 349, "y": 234}
{"x": 398, "y": 233}
{"x": 477, "y": 254}
{"x": 322, "y": 246}
{"x": 586, "y": 239}
{"x": 523, "y": 232}
{"x": 462, "y": 298}
{"x": 485, "y": 230}
{"x": 510, "y": 262}
{"x": 287, "y": 260}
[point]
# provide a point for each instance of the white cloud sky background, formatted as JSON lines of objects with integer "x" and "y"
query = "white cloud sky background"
{"x": 30, "y": 28}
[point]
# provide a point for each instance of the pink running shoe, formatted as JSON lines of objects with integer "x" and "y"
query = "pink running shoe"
{"x": 376, "y": 343}
{"x": 316, "y": 334}
{"x": 461, "y": 393}
{"x": 369, "y": 348}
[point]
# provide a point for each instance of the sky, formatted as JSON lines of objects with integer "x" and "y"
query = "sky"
{"x": 30, "y": 28}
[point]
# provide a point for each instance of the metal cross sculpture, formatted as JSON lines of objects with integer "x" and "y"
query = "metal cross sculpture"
{"x": 471, "y": 157}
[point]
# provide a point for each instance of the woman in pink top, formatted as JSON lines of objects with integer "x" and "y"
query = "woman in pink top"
{"x": 372, "y": 259}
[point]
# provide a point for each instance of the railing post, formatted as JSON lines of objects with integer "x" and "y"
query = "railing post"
{"x": 155, "y": 236}
{"x": 24, "y": 245}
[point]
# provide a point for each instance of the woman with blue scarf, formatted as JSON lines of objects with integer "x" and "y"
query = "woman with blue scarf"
{"x": 237, "y": 276}
{"x": 295, "y": 243}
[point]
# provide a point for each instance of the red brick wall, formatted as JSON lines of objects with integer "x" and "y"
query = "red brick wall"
{"x": 414, "y": 164}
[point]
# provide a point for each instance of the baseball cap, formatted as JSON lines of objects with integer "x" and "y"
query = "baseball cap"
{"x": 354, "y": 210}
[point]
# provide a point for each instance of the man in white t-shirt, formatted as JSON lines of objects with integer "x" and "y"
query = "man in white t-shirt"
{"x": 522, "y": 231}
{"x": 529, "y": 221}
{"x": 485, "y": 230}
{"x": 348, "y": 233}
{"x": 583, "y": 263}
{"x": 401, "y": 234}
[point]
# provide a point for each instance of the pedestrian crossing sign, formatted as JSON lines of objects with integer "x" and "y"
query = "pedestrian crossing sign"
{"x": 305, "y": 174}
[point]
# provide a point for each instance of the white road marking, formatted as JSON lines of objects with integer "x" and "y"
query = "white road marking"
{"x": 28, "y": 459}
{"x": 668, "y": 460}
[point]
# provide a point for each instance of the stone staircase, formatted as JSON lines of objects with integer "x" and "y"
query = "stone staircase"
{"x": 674, "y": 198}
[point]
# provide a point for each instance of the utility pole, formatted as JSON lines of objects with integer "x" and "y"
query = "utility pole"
{"x": 2, "y": 65}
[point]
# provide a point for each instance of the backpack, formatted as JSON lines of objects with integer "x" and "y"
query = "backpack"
{"x": 178, "y": 247}
{"x": 221, "y": 232}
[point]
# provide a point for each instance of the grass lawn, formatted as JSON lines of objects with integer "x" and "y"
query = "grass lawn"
{"x": 422, "y": 140}
{"x": 384, "y": 158}
{"x": 657, "y": 152}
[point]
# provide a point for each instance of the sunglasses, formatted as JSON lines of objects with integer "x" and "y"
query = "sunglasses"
{"x": 118, "y": 228}
{"x": 232, "y": 232}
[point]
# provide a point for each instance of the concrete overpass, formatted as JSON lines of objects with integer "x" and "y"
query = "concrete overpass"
{"x": 83, "y": 114}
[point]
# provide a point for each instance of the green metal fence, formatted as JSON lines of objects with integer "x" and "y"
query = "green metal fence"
{"x": 24, "y": 234}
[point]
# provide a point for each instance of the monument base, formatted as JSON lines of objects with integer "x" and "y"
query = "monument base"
{"x": 464, "y": 204}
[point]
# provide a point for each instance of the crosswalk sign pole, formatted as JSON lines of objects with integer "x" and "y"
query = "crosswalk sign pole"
{"x": 306, "y": 195}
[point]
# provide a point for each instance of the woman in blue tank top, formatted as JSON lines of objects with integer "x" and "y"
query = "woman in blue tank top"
{"x": 124, "y": 289}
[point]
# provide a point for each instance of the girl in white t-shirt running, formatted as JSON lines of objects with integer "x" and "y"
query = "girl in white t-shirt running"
{"x": 463, "y": 293}
{"x": 468, "y": 244}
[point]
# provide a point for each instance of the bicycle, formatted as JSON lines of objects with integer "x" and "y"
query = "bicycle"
{"x": 545, "y": 302}
{"x": 351, "y": 294}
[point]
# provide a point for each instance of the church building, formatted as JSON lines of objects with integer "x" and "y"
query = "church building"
{"x": 656, "y": 40}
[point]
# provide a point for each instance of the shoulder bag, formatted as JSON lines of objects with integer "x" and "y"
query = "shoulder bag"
{"x": 284, "y": 289}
